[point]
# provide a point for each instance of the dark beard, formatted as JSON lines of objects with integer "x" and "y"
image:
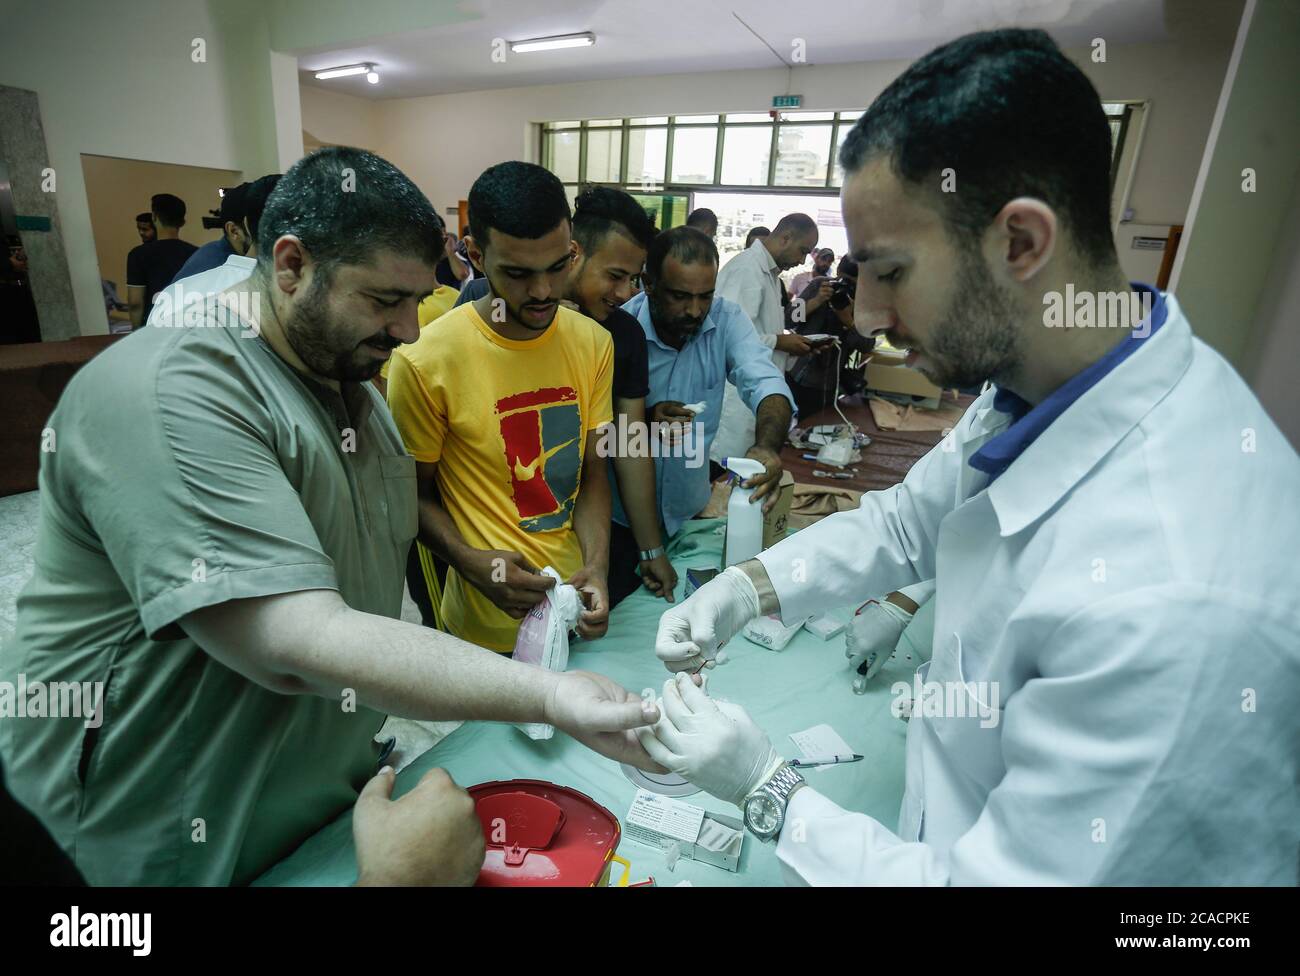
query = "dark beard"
{"x": 978, "y": 340}
{"x": 672, "y": 329}
{"x": 315, "y": 336}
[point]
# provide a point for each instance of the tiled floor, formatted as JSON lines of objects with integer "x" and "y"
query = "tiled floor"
{"x": 18, "y": 520}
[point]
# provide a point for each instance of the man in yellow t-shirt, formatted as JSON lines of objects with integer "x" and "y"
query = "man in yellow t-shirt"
{"x": 500, "y": 406}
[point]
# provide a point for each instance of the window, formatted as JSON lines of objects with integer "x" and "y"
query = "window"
{"x": 1118, "y": 115}
{"x": 739, "y": 211}
{"x": 653, "y": 153}
{"x": 664, "y": 159}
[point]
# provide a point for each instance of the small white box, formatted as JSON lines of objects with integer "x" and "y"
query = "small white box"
{"x": 825, "y": 625}
{"x": 661, "y": 821}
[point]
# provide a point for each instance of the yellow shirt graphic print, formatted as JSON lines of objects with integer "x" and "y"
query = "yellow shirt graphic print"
{"x": 541, "y": 431}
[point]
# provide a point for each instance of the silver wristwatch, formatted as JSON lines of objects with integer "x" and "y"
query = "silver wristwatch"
{"x": 765, "y": 807}
{"x": 649, "y": 554}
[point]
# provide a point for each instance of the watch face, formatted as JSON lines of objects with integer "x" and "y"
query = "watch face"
{"x": 762, "y": 813}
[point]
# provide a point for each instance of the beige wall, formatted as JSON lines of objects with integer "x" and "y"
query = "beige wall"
{"x": 118, "y": 189}
{"x": 334, "y": 119}
{"x": 117, "y": 78}
{"x": 1272, "y": 362}
{"x": 1235, "y": 274}
{"x": 445, "y": 141}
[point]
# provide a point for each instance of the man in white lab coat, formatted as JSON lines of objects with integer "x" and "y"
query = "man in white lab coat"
{"x": 1114, "y": 690}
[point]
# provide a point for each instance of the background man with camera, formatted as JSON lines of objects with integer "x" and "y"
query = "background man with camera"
{"x": 827, "y": 305}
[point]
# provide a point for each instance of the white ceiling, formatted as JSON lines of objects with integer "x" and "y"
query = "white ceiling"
{"x": 654, "y": 37}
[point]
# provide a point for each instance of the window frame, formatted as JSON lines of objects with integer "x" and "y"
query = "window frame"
{"x": 721, "y": 124}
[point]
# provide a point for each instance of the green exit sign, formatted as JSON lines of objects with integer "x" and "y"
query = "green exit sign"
{"x": 787, "y": 101}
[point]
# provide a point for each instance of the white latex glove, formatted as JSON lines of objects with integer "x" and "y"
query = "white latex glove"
{"x": 714, "y": 745}
{"x": 872, "y": 636}
{"x": 690, "y": 634}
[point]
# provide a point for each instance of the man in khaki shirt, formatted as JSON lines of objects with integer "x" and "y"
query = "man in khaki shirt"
{"x": 225, "y": 518}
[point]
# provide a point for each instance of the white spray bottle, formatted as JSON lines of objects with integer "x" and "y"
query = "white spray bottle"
{"x": 744, "y": 521}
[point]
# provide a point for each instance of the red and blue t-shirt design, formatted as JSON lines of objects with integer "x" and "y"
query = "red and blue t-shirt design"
{"x": 542, "y": 433}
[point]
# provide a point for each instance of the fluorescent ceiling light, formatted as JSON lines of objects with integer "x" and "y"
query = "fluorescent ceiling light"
{"x": 343, "y": 72}
{"x": 585, "y": 39}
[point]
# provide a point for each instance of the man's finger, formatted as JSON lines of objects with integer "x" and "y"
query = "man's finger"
{"x": 691, "y": 665}
{"x": 676, "y": 712}
{"x": 672, "y": 642}
{"x": 657, "y": 751}
{"x": 520, "y": 560}
{"x": 589, "y": 630}
{"x": 378, "y": 788}
{"x": 537, "y": 583}
{"x": 433, "y": 775}
{"x": 693, "y": 697}
{"x": 611, "y": 716}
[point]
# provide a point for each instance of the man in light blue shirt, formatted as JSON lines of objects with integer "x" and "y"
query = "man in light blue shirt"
{"x": 696, "y": 344}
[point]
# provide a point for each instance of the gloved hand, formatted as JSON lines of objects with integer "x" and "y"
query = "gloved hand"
{"x": 690, "y": 634}
{"x": 714, "y": 745}
{"x": 872, "y": 635}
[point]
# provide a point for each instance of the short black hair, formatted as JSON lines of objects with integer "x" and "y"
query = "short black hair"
{"x": 345, "y": 204}
{"x": 256, "y": 194}
{"x": 1011, "y": 116}
{"x": 702, "y": 216}
{"x": 602, "y": 210}
{"x": 144, "y": 218}
{"x": 795, "y": 223}
{"x": 759, "y": 231}
{"x": 687, "y": 244}
{"x": 518, "y": 199}
{"x": 170, "y": 209}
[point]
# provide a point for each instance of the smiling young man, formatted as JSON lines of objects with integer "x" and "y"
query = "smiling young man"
{"x": 223, "y": 537}
{"x": 500, "y": 405}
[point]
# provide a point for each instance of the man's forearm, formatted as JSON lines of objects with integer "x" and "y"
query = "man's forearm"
{"x": 591, "y": 513}
{"x": 636, "y": 481}
{"x": 438, "y": 532}
{"x": 136, "y": 311}
{"x": 424, "y": 673}
{"x": 313, "y": 643}
{"x": 772, "y": 423}
{"x": 636, "y": 486}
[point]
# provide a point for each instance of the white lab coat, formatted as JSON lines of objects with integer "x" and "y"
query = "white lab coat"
{"x": 1131, "y": 584}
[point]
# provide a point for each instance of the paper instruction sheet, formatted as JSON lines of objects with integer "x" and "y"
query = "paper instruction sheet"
{"x": 820, "y": 740}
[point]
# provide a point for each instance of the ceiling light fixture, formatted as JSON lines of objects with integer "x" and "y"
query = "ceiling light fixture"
{"x": 345, "y": 71}
{"x": 372, "y": 76}
{"x": 585, "y": 39}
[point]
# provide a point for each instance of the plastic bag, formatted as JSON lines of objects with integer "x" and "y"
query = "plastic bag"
{"x": 543, "y": 638}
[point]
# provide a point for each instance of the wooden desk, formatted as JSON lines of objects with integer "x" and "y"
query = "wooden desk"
{"x": 885, "y": 461}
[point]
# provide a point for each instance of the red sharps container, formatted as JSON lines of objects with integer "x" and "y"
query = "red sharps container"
{"x": 539, "y": 834}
